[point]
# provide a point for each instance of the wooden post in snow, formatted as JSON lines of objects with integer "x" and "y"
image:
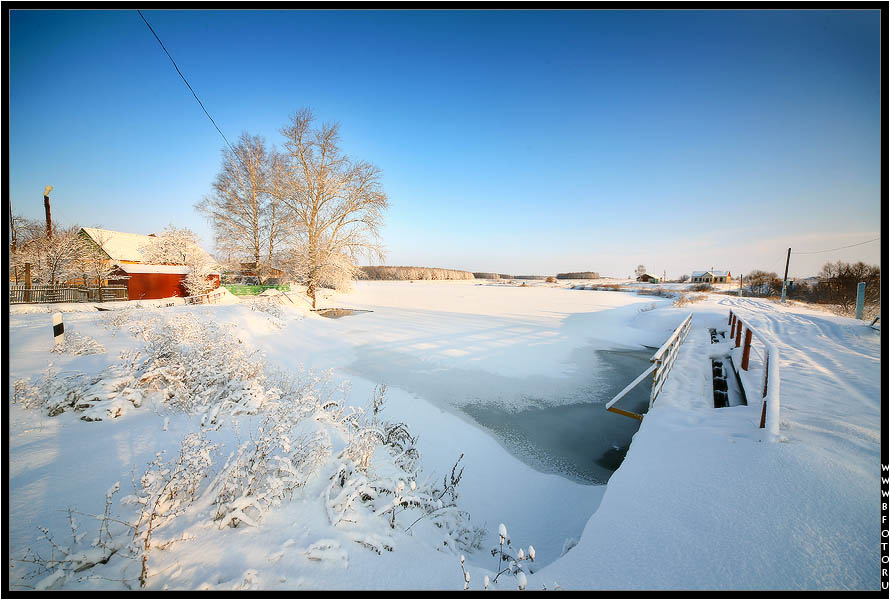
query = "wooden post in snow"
{"x": 27, "y": 282}
{"x": 746, "y": 352}
{"x": 58, "y": 329}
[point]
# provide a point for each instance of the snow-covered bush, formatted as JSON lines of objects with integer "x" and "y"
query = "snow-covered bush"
{"x": 509, "y": 561}
{"x": 59, "y": 561}
{"x": 283, "y": 454}
{"x": 390, "y": 486}
{"x": 78, "y": 344}
{"x": 189, "y": 365}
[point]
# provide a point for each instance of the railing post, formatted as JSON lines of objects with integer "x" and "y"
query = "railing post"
{"x": 654, "y": 382}
{"x": 746, "y": 352}
{"x": 765, "y": 373}
{"x": 763, "y": 416}
{"x": 738, "y": 334}
{"x": 730, "y": 318}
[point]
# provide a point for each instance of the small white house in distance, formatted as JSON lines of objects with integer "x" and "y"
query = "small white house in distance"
{"x": 711, "y": 276}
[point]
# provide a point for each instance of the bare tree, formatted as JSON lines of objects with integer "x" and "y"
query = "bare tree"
{"x": 764, "y": 283}
{"x": 337, "y": 202}
{"x": 839, "y": 282}
{"x": 53, "y": 259}
{"x": 27, "y": 232}
{"x": 245, "y": 205}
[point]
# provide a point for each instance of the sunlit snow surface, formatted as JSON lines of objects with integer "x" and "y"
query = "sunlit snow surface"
{"x": 698, "y": 494}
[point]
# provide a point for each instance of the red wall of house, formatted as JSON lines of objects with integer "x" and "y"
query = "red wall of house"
{"x": 150, "y": 286}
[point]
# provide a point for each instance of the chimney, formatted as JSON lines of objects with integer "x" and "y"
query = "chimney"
{"x": 49, "y": 220}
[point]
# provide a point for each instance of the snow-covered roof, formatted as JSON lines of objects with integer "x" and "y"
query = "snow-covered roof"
{"x": 144, "y": 268}
{"x": 714, "y": 273}
{"x": 119, "y": 245}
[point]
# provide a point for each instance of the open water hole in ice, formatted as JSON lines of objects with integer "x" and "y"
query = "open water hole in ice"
{"x": 581, "y": 441}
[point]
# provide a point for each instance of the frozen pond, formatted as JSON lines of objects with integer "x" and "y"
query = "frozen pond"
{"x": 581, "y": 441}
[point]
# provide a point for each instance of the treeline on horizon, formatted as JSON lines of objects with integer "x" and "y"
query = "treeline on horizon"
{"x": 400, "y": 273}
{"x": 407, "y": 273}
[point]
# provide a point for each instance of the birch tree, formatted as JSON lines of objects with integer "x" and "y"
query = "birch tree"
{"x": 337, "y": 203}
{"x": 244, "y": 208}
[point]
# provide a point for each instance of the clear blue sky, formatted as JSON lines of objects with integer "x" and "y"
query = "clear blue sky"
{"x": 526, "y": 141}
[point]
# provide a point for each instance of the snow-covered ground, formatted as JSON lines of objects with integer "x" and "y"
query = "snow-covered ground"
{"x": 701, "y": 501}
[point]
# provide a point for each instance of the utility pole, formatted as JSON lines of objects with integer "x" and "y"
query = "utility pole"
{"x": 785, "y": 280}
{"x": 741, "y": 277}
{"x": 49, "y": 220}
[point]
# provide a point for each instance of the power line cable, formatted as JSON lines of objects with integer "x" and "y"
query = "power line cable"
{"x": 175, "y": 66}
{"x": 841, "y": 248}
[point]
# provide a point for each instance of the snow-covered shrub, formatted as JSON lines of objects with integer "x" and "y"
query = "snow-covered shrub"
{"x": 661, "y": 292}
{"x": 198, "y": 367}
{"x": 684, "y": 299}
{"x": 100, "y": 396}
{"x": 166, "y": 491}
{"x": 78, "y": 344}
{"x": 282, "y": 455}
{"x": 59, "y": 561}
{"x": 378, "y": 476}
{"x": 511, "y": 560}
{"x": 271, "y": 308}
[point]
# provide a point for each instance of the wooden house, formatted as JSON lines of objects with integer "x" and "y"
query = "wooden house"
{"x": 144, "y": 280}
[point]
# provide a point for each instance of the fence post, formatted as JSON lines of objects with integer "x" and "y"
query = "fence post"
{"x": 763, "y": 416}
{"x": 765, "y": 373}
{"x": 746, "y": 353}
{"x": 738, "y": 333}
{"x": 654, "y": 382}
{"x": 860, "y": 299}
{"x": 730, "y": 318}
{"x": 27, "y": 282}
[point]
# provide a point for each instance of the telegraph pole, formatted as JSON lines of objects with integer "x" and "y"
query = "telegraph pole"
{"x": 785, "y": 280}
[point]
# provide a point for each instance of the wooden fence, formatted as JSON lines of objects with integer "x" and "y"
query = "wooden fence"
{"x": 38, "y": 294}
{"x": 767, "y": 359}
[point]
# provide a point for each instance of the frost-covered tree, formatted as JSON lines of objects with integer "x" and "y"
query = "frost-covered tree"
{"x": 336, "y": 201}
{"x": 94, "y": 264}
{"x": 245, "y": 208}
{"x": 53, "y": 259}
{"x": 640, "y": 270}
{"x": 24, "y": 232}
{"x": 179, "y": 246}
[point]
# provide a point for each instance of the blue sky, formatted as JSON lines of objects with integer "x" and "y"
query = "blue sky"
{"x": 522, "y": 141}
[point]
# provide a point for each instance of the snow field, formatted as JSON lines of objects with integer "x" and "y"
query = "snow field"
{"x": 692, "y": 490}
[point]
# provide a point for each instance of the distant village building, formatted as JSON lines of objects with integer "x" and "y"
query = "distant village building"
{"x": 262, "y": 274}
{"x": 647, "y": 278}
{"x": 711, "y": 277}
{"x": 144, "y": 280}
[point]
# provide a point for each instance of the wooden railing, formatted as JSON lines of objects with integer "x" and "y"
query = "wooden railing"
{"x": 766, "y": 355}
{"x": 662, "y": 361}
{"x": 37, "y": 294}
{"x": 212, "y": 297}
